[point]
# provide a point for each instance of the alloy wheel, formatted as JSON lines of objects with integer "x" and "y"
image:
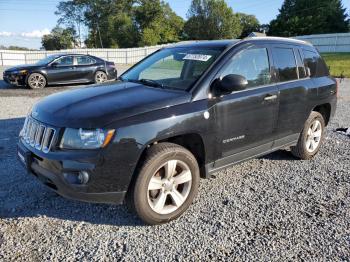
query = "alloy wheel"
{"x": 169, "y": 187}
{"x": 36, "y": 81}
{"x": 100, "y": 77}
{"x": 314, "y": 135}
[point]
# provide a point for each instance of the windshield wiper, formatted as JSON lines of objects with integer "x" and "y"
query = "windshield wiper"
{"x": 147, "y": 82}
{"x": 151, "y": 82}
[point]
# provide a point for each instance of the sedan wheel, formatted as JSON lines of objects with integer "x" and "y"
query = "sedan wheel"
{"x": 36, "y": 81}
{"x": 100, "y": 77}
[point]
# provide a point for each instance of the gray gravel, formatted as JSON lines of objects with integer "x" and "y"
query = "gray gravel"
{"x": 271, "y": 208}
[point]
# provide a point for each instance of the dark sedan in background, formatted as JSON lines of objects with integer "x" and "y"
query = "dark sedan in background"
{"x": 61, "y": 69}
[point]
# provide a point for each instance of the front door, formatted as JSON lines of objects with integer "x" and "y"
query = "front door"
{"x": 246, "y": 120}
{"x": 62, "y": 70}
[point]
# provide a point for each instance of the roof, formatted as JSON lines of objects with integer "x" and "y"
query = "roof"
{"x": 255, "y": 34}
{"x": 277, "y": 40}
{"x": 230, "y": 42}
{"x": 207, "y": 43}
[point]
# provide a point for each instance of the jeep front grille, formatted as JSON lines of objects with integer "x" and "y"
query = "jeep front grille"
{"x": 38, "y": 135}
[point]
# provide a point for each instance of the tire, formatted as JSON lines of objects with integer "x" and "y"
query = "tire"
{"x": 100, "y": 77}
{"x": 159, "y": 202}
{"x": 311, "y": 137}
{"x": 36, "y": 81}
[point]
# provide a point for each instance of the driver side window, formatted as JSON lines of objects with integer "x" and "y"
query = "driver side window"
{"x": 253, "y": 64}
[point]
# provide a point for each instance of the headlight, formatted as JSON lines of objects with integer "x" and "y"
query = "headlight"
{"x": 86, "y": 138}
{"x": 20, "y": 72}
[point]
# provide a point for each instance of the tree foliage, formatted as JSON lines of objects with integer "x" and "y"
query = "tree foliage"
{"x": 211, "y": 19}
{"x": 248, "y": 23}
{"x": 304, "y": 17}
{"x": 59, "y": 38}
{"x": 123, "y": 23}
{"x": 157, "y": 22}
{"x": 130, "y": 23}
{"x": 72, "y": 15}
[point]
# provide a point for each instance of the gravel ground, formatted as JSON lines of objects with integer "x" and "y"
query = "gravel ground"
{"x": 274, "y": 208}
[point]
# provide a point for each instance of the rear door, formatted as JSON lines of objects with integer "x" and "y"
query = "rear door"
{"x": 246, "y": 119}
{"x": 62, "y": 71}
{"x": 319, "y": 74}
{"x": 85, "y": 68}
{"x": 295, "y": 89}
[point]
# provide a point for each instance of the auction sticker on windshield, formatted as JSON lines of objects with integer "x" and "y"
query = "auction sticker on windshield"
{"x": 197, "y": 57}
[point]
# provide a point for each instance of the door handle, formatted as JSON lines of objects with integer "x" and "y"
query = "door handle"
{"x": 270, "y": 97}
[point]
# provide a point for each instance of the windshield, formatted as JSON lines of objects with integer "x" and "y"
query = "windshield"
{"x": 46, "y": 60}
{"x": 176, "y": 68}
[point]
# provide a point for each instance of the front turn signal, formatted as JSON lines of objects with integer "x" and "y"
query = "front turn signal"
{"x": 108, "y": 138}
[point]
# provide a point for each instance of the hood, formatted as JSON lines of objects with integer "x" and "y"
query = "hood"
{"x": 21, "y": 67}
{"x": 97, "y": 106}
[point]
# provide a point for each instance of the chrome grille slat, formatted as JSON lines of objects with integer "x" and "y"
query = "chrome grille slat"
{"x": 38, "y": 135}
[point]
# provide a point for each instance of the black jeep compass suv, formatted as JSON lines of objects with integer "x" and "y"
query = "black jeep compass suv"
{"x": 182, "y": 113}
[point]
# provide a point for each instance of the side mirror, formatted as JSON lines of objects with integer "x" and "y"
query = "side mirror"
{"x": 54, "y": 64}
{"x": 231, "y": 83}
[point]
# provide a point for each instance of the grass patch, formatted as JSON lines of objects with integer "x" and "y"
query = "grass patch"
{"x": 339, "y": 63}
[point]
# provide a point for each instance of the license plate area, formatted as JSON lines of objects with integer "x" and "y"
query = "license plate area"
{"x": 25, "y": 157}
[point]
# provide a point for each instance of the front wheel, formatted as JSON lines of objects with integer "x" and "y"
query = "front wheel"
{"x": 36, "y": 81}
{"x": 166, "y": 184}
{"x": 100, "y": 77}
{"x": 311, "y": 137}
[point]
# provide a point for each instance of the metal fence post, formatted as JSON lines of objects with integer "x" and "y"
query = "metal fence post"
{"x": 2, "y": 61}
{"x": 126, "y": 57}
{"x": 25, "y": 58}
{"x": 336, "y": 42}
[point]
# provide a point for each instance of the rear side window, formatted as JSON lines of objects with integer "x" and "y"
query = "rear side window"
{"x": 301, "y": 68}
{"x": 253, "y": 64}
{"x": 85, "y": 60}
{"x": 315, "y": 63}
{"x": 285, "y": 64}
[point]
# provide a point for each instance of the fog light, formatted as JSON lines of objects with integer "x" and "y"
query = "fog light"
{"x": 83, "y": 177}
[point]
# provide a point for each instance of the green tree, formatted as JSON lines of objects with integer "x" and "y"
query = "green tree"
{"x": 72, "y": 15}
{"x": 123, "y": 23}
{"x": 305, "y": 17}
{"x": 99, "y": 20}
{"x": 157, "y": 22}
{"x": 211, "y": 19}
{"x": 59, "y": 38}
{"x": 249, "y": 23}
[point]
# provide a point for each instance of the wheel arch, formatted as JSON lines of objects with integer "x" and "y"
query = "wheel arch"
{"x": 191, "y": 141}
{"x": 324, "y": 110}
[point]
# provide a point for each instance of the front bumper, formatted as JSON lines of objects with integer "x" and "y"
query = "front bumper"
{"x": 58, "y": 174}
{"x": 15, "y": 79}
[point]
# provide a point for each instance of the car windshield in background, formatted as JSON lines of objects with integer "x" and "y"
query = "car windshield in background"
{"x": 175, "y": 68}
{"x": 46, "y": 60}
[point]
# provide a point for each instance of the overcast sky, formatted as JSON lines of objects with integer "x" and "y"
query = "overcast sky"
{"x": 23, "y": 22}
